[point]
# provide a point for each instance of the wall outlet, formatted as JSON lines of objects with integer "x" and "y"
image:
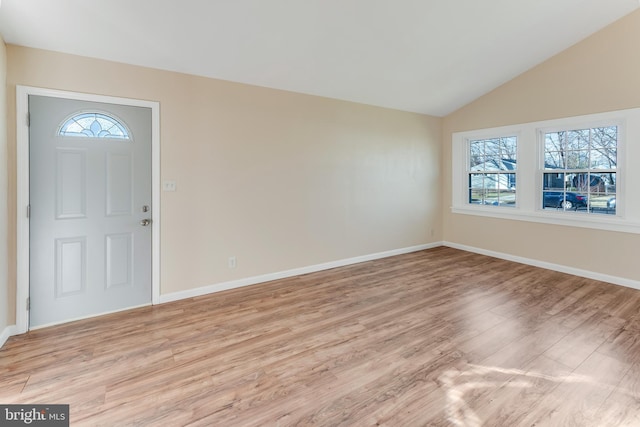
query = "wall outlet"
{"x": 169, "y": 186}
{"x": 231, "y": 262}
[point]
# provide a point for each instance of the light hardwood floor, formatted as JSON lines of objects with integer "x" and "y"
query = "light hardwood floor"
{"x": 439, "y": 337}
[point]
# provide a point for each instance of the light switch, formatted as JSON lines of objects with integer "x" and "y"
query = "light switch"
{"x": 169, "y": 186}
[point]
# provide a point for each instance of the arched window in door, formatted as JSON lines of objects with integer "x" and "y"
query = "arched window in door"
{"x": 94, "y": 125}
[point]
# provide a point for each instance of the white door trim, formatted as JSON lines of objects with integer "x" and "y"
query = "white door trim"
{"x": 22, "y": 153}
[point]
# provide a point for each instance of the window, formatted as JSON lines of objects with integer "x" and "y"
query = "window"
{"x": 492, "y": 171}
{"x": 576, "y": 171}
{"x": 579, "y": 171}
{"x": 94, "y": 125}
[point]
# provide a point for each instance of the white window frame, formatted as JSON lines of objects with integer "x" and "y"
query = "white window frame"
{"x": 530, "y": 169}
{"x": 461, "y": 151}
{"x": 619, "y": 171}
{"x": 467, "y": 148}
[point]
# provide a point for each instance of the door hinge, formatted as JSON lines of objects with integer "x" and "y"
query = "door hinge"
{"x": 28, "y": 211}
{"x": 28, "y": 303}
{"x": 28, "y": 119}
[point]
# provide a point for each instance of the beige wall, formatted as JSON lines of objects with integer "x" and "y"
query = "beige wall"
{"x": 6, "y": 305}
{"x": 602, "y": 73}
{"x": 279, "y": 180}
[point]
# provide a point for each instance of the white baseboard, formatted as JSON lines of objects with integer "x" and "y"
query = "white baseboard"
{"x": 6, "y": 333}
{"x": 549, "y": 266}
{"x": 233, "y": 284}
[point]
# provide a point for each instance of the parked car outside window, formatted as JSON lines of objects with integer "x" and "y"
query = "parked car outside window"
{"x": 562, "y": 200}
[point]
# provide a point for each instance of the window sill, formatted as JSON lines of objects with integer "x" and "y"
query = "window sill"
{"x": 568, "y": 219}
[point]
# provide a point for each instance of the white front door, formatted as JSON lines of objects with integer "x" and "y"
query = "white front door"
{"x": 90, "y": 197}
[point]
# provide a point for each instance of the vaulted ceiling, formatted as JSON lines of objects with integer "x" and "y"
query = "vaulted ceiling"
{"x": 426, "y": 56}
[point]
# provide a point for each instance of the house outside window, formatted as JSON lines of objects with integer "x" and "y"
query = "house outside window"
{"x": 492, "y": 171}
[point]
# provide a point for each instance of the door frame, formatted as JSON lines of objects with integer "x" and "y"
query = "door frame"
{"x": 22, "y": 189}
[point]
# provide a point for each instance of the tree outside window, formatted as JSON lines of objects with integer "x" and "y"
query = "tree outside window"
{"x": 492, "y": 171}
{"x": 580, "y": 170}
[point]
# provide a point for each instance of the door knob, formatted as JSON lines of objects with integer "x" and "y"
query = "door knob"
{"x": 145, "y": 222}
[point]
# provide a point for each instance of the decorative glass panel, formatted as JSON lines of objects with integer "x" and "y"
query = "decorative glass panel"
{"x": 94, "y": 125}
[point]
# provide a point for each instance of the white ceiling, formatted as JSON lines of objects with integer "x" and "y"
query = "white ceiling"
{"x": 427, "y": 56}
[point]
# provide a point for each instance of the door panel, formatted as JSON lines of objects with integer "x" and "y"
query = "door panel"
{"x": 71, "y": 181}
{"x": 88, "y": 252}
{"x": 119, "y": 262}
{"x": 119, "y": 184}
{"x": 71, "y": 266}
